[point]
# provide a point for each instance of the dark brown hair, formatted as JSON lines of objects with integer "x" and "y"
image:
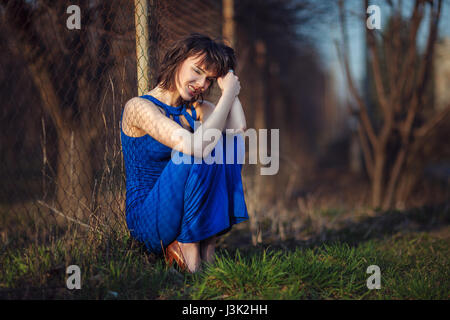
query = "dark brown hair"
{"x": 218, "y": 58}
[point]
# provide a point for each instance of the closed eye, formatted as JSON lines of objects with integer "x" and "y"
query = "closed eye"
{"x": 208, "y": 79}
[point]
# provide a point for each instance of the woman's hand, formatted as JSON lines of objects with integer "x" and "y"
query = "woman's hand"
{"x": 230, "y": 83}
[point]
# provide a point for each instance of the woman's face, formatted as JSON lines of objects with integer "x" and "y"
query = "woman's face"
{"x": 193, "y": 78}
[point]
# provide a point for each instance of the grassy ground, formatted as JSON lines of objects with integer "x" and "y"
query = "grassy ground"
{"x": 414, "y": 264}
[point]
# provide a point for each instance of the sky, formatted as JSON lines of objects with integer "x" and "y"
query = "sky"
{"x": 330, "y": 32}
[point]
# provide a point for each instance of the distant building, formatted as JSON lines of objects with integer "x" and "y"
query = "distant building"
{"x": 442, "y": 74}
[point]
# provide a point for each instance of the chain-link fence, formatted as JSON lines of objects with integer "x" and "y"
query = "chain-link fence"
{"x": 67, "y": 70}
{"x": 64, "y": 84}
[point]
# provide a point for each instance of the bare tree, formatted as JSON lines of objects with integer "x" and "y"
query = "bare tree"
{"x": 391, "y": 144}
{"x": 273, "y": 57}
{"x": 70, "y": 69}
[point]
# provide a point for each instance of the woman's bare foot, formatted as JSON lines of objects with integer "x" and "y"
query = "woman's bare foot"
{"x": 191, "y": 253}
{"x": 207, "y": 249}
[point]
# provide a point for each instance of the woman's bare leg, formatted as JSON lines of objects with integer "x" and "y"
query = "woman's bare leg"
{"x": 207, "y": 249}
{"x": 191, "y": 253}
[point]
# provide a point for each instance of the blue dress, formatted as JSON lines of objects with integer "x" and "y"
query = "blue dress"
{"x": 167, "y": 200}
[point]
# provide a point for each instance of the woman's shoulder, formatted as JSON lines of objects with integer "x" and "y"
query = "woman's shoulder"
{"x": 133, "y": 108}
{"x": 203, "y": 108}
{"x": 141, "y": 103}
{"x": 204, "y": 103}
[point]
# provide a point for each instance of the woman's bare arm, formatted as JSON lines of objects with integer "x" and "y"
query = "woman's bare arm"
{"x": 236, "y": 117}
{"x": 143, "y": 114}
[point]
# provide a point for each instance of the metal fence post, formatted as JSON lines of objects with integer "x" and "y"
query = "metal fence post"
{"x": 142, "y": 59}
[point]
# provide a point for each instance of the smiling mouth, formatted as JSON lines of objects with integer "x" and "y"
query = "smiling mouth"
{"x": 192, "y": 92}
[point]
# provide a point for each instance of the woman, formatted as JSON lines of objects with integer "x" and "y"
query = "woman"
{"x": 180, "y": 209}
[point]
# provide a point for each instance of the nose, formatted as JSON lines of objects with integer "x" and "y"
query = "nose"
{"x": 202, "y": 83}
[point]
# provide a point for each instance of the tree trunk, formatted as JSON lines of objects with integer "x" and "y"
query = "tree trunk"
{"x": 406, "y": 185}
{"x": 377, "y": 180}
{"x": 260, "y": 123}
{"x": 74, "y": 174}
{"x": 355, "y": 154}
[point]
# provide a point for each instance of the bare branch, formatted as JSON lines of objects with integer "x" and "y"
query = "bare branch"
{"x": 42, "y": 203}
{"x": 376, "y": 69}
{"x": 362, "y": 107}
{"x": 433, "y": 123}
{"x": 424, "y": 71}
{"x": 394, "y": 175}
{"x": 343, "y": 58}
{"x": 368, "y": 157}
{"x": 411, "y": 54}
{"x": 51, "y": 12}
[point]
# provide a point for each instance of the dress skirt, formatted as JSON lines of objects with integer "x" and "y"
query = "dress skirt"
{"x": 193, "y": 200}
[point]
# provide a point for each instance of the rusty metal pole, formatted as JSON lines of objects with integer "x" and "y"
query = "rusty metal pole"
{"x": 228, "y": 22}
{"x": 142, "y": 57}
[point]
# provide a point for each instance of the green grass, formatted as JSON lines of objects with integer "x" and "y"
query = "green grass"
{"x": 413, "y": 266}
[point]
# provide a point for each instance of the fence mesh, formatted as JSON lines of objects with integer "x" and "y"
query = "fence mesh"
{"x": 63, "y": 92}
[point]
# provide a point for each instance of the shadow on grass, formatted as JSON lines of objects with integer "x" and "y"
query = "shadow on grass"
{"x": 435, "y": 219}
{"x": 381, "y": 225}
